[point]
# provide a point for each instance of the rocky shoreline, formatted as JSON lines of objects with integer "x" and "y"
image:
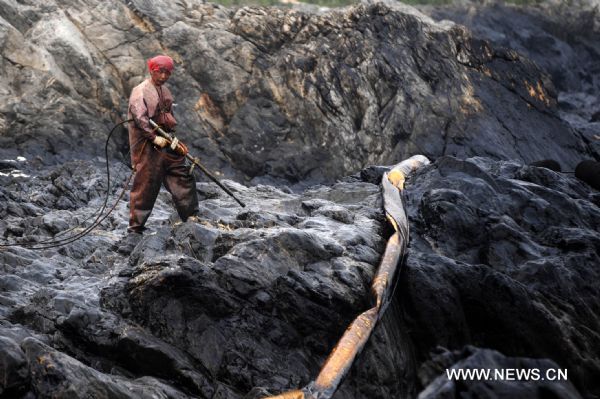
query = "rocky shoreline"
{"x": 291, "y": 107}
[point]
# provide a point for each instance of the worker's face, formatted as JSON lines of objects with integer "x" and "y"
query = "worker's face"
{"x": 160, "y": 76}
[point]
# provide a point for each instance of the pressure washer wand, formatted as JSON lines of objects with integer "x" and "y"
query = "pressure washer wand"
{"x": 196, "y": 162}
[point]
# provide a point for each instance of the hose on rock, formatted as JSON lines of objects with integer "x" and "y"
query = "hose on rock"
{"x": 52, "y": 242}
{"x": 383, "y": 288}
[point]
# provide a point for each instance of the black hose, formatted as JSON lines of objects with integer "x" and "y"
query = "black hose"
{"x": 52, "y": 242}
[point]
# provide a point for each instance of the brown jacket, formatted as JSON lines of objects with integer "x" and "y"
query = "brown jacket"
{"x": 148, "y": 102}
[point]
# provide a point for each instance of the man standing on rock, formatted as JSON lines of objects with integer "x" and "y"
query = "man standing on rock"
{"x": 154, "y": 159}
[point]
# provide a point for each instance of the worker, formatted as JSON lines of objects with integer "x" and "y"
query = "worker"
{"x": 155, "y": 160}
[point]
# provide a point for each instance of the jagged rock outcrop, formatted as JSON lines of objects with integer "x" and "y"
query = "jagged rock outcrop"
{"x": 334, "y": 92}
{"x": 535, "y": 385}
{"x": 249, "y": 294}
{"x": 509, "y": 246}
{"x": 251, "y": 297}
{"x": 563, "y": 38}
{"x": 248, "y": 302}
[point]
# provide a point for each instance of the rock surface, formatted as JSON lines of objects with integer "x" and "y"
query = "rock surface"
{"x": 334, "y": 92}
{"x": 250, "y": 297}
{"x": 248, "y": 302}
{"x": 509, "y": 246}
{"x": 475, "y": 358}
{"x": 562, "y": 38}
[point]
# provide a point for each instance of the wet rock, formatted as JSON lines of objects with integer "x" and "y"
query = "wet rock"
{"x": 14, "y": 372}
{"x": 256, "y": 297}
{"x": 228, "y": 294}
{"x": 281, "y": 94}
{"x": 504, "y": 245}
{"x": 249, "y": 301}
{"x": 535, "y": 381}
{"x": 128, "y": 243}
{"x": 196, "y": 240}
{"x": 54, "y": 374}
{"x": 548, "y": 163}
{"x": 567, "y": 33}
{"x": 589, "y": 172}
{"x": 373, "y": 174}
{"x": 334, "y": 212}
{"x": 56, "y": 221}
{"x": 562, "y": 39}
{"x": 149, "y": 356}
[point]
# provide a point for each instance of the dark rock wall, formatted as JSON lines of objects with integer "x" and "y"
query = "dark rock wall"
{"x": 559, "y": 37}
{"x": 251, "y": 299}
{"x": 369, "y": 84}
{"x": 505, "y": 256}
{"x": 562, "y": 38}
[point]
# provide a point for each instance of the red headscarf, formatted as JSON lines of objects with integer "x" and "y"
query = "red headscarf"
{"x": 160, "y": 61}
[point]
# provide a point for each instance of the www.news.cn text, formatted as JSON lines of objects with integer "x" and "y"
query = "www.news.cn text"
{"x": 509, "y": 374}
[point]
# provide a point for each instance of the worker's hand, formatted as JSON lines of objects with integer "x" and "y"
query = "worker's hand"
{"x": 160, "y": 141}
{"x": 181, "y": 149}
